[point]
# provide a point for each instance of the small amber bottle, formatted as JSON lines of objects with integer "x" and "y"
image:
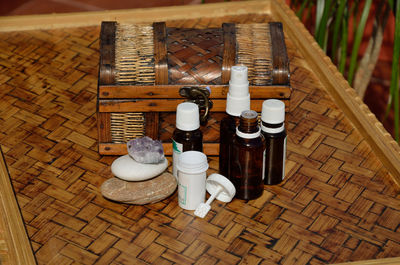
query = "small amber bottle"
{"x": 273, "y": 129}
{"x": 237, "y": 100}
{"x": 247, "y": 157}
{"x": 187, "y": 135}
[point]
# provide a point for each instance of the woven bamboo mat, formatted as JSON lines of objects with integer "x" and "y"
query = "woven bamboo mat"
{"x": 336, "y": 203}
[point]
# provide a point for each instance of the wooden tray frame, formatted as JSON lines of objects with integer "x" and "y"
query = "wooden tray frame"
{"x": 11, "y": 222}
{"x": 381, "y": 142}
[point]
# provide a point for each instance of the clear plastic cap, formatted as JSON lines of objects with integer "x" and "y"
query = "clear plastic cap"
{"x": 192, "y": 162}
{"x": 238, "y": 98}
{"x": 187, "y": 116}
{"x": 273, "y": 111}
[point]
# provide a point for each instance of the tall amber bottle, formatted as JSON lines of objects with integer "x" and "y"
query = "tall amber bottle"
{"x": 187, "y": 135}
{"x": 273, "y": 129}
{"x": 237, "y": 100}
{"x": 247, "y": 157}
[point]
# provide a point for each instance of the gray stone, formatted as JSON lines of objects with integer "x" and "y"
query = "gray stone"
{"x": 139, "y": 192}
{"x": 146, "y": 150}
{"x": 127, "y": 168}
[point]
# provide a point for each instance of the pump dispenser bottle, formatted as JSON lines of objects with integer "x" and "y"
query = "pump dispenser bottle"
{"x": 273, "y": 129}
{"x": 247, "y": 157}
{"x": 238, "y": 100}
{"x": 187, "y": 135}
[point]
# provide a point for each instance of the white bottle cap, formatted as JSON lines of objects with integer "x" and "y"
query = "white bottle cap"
{"x": 238, "y": 98}
{"x": 273, "y": 111}
{"x": 187, "y": 116}
{"x": 192, "y": 162}
{"x": 215, "y": 182}
{"x": 220, "y": 188}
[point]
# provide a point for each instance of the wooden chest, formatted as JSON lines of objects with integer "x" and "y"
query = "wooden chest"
{"x": 147, "y": 70}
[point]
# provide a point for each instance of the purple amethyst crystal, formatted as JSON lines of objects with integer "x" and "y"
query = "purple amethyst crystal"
{"x": 146, "y": 150}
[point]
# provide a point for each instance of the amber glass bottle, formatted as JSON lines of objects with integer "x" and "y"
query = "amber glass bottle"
{"x": 237, "y": 100}
{"x": 273, "y": 129}
{"x": 227, "y": 134}
{"x": 187, "y": 135}
{"x": 247, "y": 157}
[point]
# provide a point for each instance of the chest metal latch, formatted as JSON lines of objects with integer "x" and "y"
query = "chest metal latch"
{"x": 200, "y": 96}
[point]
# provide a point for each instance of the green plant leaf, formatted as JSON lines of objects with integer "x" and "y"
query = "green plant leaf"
{"x": 318, "y": 16}
{"x": 300, "y": 12}
{"x": 367, "y": 63}
{"x": 394, "y": 81}
{"x": 343, "y": 43}
{"x": 391, "y": 4}
{"x": 336, "y": 28}
{"x": 322, "y": 31}
{"x": 354, "y": 12}
{"x": 357, "y": 40}
{"x": 389, "y": 102}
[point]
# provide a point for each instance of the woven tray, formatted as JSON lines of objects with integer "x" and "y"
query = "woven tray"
{"x": 338, "y": 203}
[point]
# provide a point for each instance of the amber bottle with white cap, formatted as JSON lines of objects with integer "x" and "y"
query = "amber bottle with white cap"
{"x": 273, "y": 129}
{"x": 187, "y": 135}
{"x": 247, "y": 157}
{"x": 238, "y": 100}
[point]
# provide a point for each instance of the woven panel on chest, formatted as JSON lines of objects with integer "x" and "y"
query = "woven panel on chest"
{"x": 194, "y": 56}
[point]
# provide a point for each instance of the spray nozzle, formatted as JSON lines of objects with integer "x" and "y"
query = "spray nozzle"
{"x": 239, "y": 75}
{"x": 238, "y": 98}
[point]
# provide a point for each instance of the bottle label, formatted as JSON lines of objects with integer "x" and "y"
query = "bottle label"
{"x": 177, "y": 149}
{"x": 182, "y": 194}
{"x": 284, "y": 159}
{"x": 264, "y": 156}
{"x": 191, "y": 189}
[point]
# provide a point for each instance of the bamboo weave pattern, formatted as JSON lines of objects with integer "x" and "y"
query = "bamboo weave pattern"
{"x": 254, "y": 51}
{"x": 127, "y": 126}
{"x": 335, "y": 205}
{"x": 134, "y": 54}
{"x": 134, "y": 64}
{"x": 194, "y": 56}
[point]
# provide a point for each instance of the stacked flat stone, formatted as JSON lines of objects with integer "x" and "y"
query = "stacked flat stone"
{"x": 140, "y": 176}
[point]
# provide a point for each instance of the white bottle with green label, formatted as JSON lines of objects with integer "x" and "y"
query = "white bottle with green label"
{"x": 192, "y": 170}
{"x": 187, "y": 135}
